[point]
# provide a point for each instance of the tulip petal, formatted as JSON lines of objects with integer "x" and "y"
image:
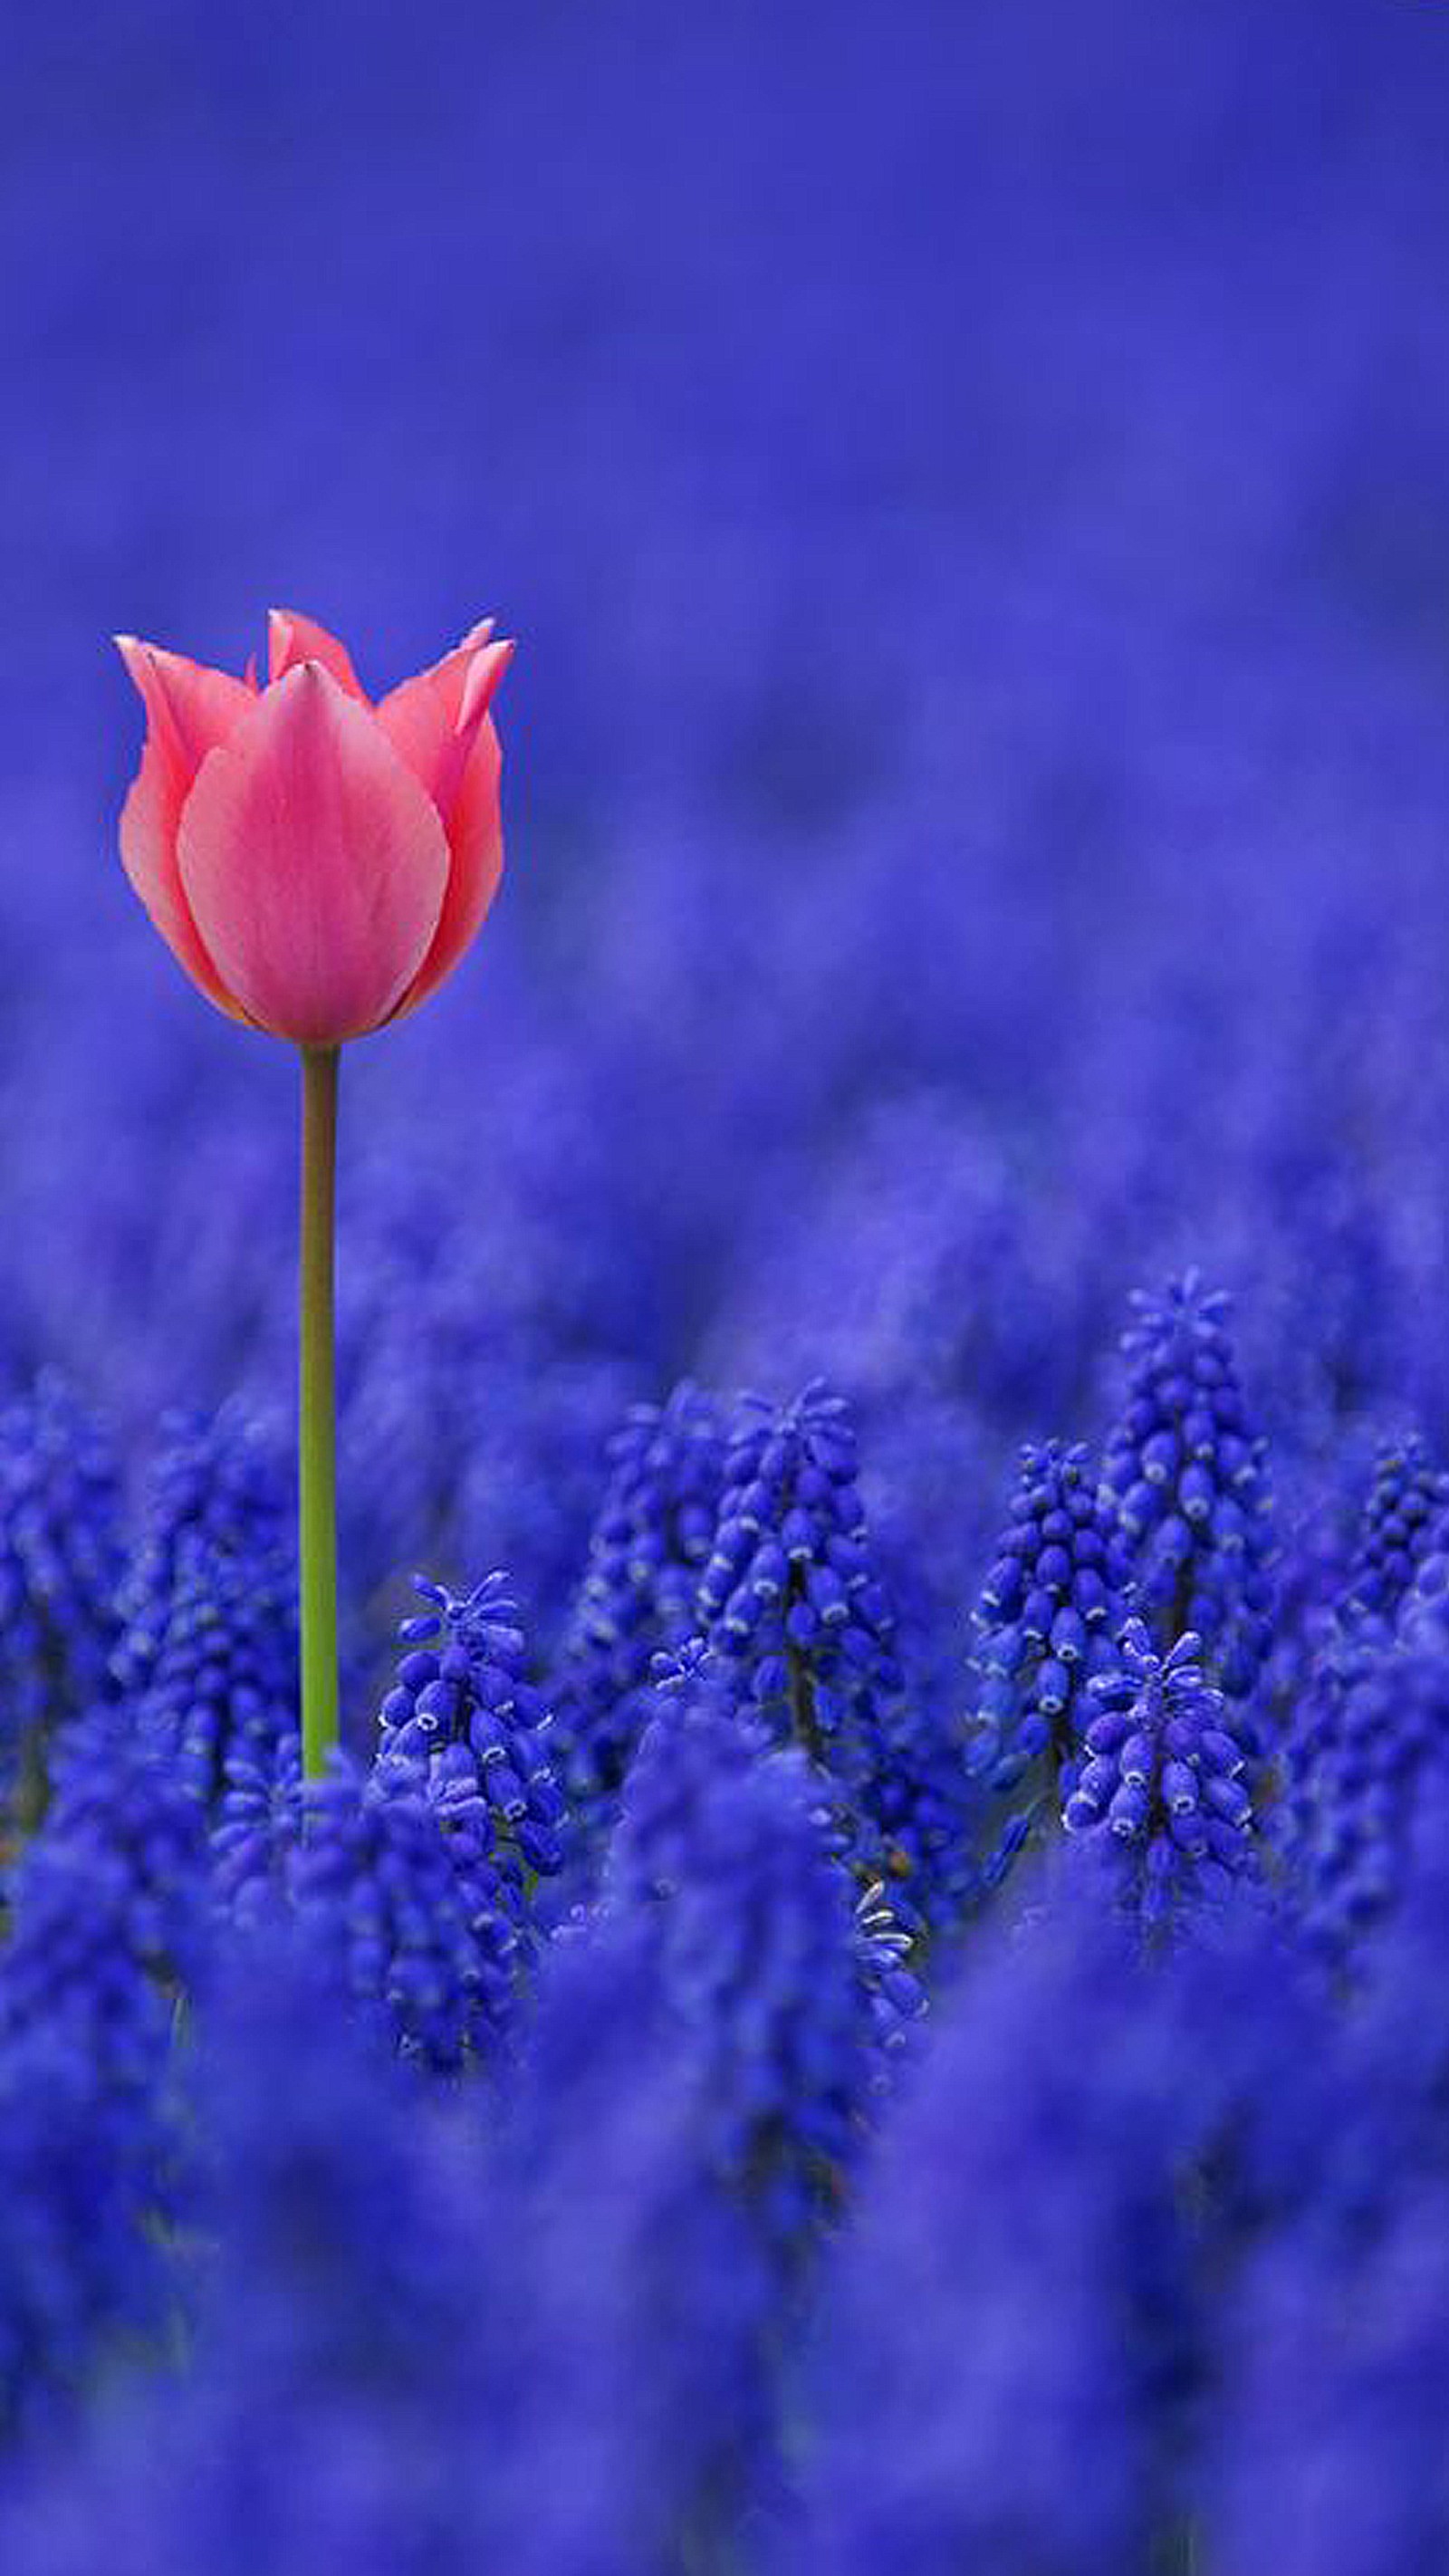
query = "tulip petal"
{"x": 314, "y": 863}
{"x": 480, "y": 683}
{"x": 435, "y": 730}
{"x": 449, "y": 675}
{"x": 475, "y": 837}
{"x": 293, "y": 639}
{"x": 189, "y": 710}
{"x": 191, "y": 707}
{"x": 421, "y": 717}
{"x": 441, "y": 727}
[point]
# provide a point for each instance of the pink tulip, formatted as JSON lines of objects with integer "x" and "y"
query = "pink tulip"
{"x": 316, "y": 862}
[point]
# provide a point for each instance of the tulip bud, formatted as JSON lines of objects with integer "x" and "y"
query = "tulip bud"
{"x": 317, "y": 863}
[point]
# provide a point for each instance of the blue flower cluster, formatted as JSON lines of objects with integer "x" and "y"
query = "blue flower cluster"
{"x": 793, "y": 1605}
{"x": 207, "y": 1653}
{"x": 107, "y": 1933}
{"x": 1368, "y": 1743}
{"x": 466, "y": 1723}
{"x": 647, "y": 1551}
{"x": 1366, "y": 1764}
{"x": 793, "y": 1998}
{"x": 1055, "y": 2138}
{"x": 371, "y": 1881}
{"x": 1160, "y": 1782}
{"x": 60, "y": 1560}
{"x": 789, "y": 1595}
{"x": 488, "y": 1361}
{"x": 1186, "y": 1464}
{"x": 691, "y": 2051}
{"x": 1047, "y": 1620}
{"x": 1402, "y": 1526}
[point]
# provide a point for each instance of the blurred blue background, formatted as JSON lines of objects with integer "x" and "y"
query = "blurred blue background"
{"x": 971, "y": 484}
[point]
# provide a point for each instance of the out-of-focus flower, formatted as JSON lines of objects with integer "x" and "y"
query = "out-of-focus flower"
{"x": 317, "y": 863}
{"x": 370, "y": 1880}
{"x": 984, "y": 2330}
{"x": 788, "y": 2001}
{"x": 259, "y": 1821}
{"x": 60, "y": 1554}
{"x": 107, "y": 1914}
{"x": 207, "y": 1656}
{"x": 1367, "y": 1765}
{"x": 1331, "y": 2459}
{"x": 649, "y": 1542}
{"x": 1401, "y": 1527}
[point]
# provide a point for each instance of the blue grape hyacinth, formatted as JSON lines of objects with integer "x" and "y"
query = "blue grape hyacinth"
{"x": 207, "y": 1654}
{"x": 1048, "y": 1616}
{"x": 1160, "y": 1786}
{"x": 1402, "y": 1525}
{"x": 1186, "y": 1464}
{"x": 108, "y": 1900}
{"x": 1366, "y": 1765}
{"x": 464, "y": 1718}
{"x": 647, "y": 1550}
{"x": 790, "y": 2001}
{"x": 108, "y": 1911}
{"x": 792, "y": 1604}
{"x": 61, "y": 1542}
{"x": 372, "y": 1884}
{"x": 257, "y": 1821}
{"x": 788, "y": 1596}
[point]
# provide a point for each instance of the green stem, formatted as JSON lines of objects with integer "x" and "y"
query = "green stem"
{"x": 317, "y": 1425}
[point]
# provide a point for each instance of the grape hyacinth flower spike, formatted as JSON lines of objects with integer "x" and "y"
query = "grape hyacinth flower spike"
{"x": 318, "y": 863}
{"x": 1160, "y": 1786}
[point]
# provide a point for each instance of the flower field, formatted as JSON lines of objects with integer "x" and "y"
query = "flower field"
{"x": 865, "y": 1994}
